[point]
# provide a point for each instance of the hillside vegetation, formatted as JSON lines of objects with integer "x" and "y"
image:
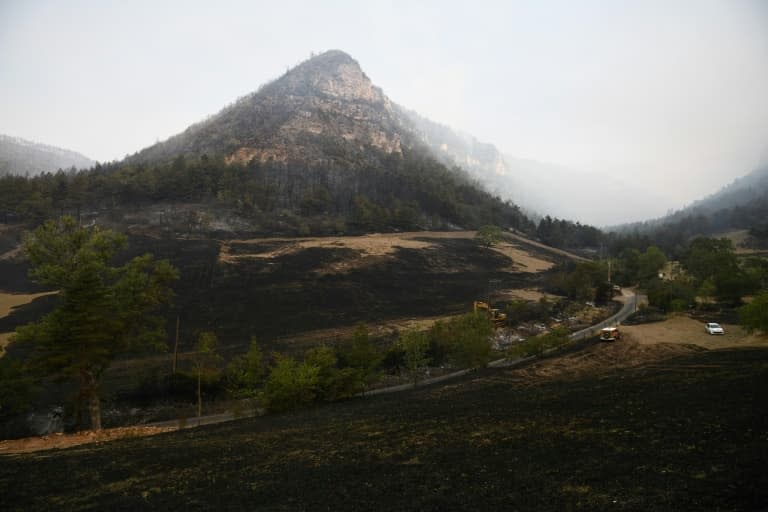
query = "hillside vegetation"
{"x": 411, "y": 191}
{"x": 741, "y": 205}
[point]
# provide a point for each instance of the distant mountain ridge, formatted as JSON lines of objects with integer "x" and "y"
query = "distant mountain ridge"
{"x": 539, "y": 188}
{"x": 742, "y": 191}
{"x": 743, "y": 204}
{"x": 23, "y": 157}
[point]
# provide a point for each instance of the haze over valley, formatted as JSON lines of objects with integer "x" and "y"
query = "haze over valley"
{"x": 666, "y": 100}
{"x": 347, "y": 256}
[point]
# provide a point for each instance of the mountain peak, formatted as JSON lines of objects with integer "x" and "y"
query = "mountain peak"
{"x": 334, "y": 74}
{"x": 333, "y": 55}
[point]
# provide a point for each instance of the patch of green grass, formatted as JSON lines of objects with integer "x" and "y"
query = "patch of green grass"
{"x": 688, "y": 434}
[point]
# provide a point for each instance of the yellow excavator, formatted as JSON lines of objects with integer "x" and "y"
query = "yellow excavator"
{"x": 497, "y": 317}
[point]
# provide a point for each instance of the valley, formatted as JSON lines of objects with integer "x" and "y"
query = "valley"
{"x": 315, "y": 298}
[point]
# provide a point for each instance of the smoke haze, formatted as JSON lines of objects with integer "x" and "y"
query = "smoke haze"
{"x": 669, "y": 99}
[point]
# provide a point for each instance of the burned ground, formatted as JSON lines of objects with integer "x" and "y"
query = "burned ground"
{"x": 310, "y": 289}
{"x": 298, "y": 296}
{"x": 681, "y": 429}
{"x": 334, "y": 284}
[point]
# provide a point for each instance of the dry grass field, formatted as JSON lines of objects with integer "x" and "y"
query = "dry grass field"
{"x": 9, "y": 301}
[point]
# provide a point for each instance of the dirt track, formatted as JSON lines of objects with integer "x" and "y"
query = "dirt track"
{"x": 58, "y": 441}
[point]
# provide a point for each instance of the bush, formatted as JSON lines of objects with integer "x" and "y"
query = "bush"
{"x": 489, "y": 235}
{"x": 333, "y": 382}
{"x": 755, "y": 314}
{"x": 415, "y": 346}
{"x": 464, "y": 340}
{"x": 290, "y": 385}
{"x": 362, "y": 356}
{"x": 670, "y": 296}
{"x": 245, "y": 372}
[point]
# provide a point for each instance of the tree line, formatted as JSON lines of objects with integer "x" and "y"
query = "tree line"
{"x": 331, "y": 195}
{"x": 706, "y": 274}
{"x": 281, "y": 382}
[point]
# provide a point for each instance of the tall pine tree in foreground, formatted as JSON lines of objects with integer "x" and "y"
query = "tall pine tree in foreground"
{"x": 103, "y": 310}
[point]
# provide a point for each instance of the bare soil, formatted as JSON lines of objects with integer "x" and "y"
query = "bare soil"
{"x": 58, "y": 441}
{"x": 528, "y": 294}
{"x": 9, "y": 301}
{"x": 683, "y": 330}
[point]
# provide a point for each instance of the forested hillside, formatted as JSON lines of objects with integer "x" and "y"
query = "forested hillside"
{"x": 741, "y": 205}
{"x": 409, "y": 191}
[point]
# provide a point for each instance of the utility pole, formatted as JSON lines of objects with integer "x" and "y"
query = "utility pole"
{"x": 609, "y": 273}
{"x": 175, "y": 350}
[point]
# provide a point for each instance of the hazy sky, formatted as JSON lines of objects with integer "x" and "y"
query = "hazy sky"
{"x": 667, "y": 95}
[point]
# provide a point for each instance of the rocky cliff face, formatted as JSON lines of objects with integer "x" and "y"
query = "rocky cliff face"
{"x": 455, "y": 148}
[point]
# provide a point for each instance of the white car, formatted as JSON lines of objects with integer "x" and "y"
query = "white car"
{"x": 713, "y": 328}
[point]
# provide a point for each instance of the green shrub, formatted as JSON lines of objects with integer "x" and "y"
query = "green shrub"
{"x": 415, "y": 346}
{"x": 333, "y": 382}
{"x": 245, "y": 372}
{"x": 362, "y": 356}
{"x": 464, "y": 340}
{"x": 291, "y": 385}
{"x": 755, "y": 314}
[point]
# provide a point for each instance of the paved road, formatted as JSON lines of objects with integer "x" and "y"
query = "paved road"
{"x": 630, "y": 299}
{"x": 544, "y": 247}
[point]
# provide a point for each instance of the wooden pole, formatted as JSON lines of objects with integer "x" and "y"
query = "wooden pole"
{"x": 176, "y": 349}
{"x": 199, "y": 398}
